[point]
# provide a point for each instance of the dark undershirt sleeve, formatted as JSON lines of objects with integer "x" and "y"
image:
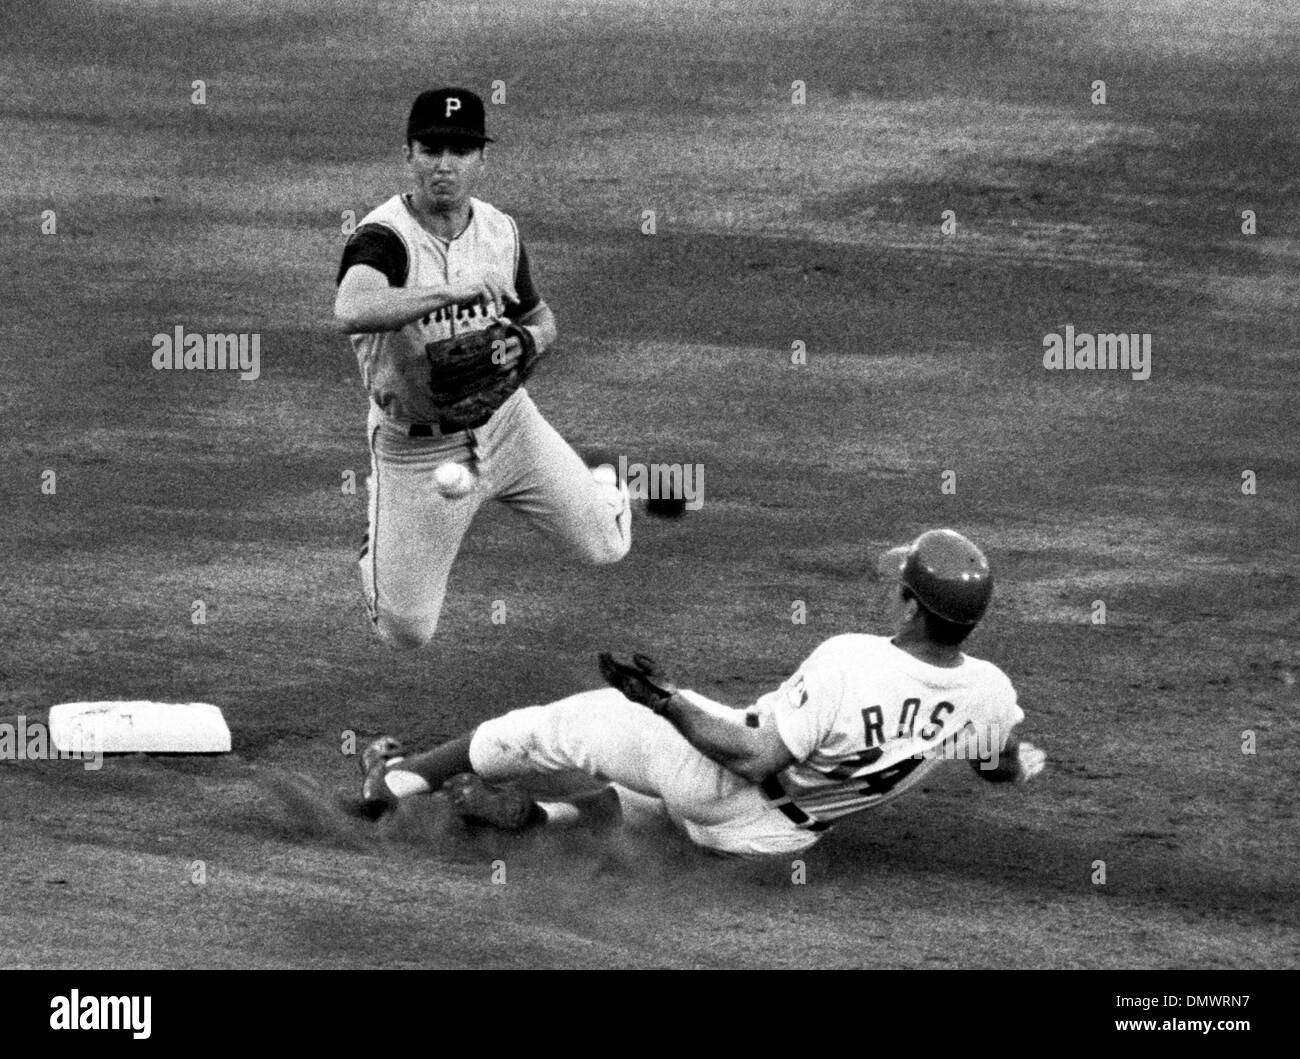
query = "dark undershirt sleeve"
{"x": 529, "y": 299}
{"x": 379, "y": 247}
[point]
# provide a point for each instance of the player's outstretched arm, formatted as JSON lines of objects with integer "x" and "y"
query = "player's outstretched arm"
{"x": 365, "y": 302}
{"x": 1019, "y": 762}
{"x": 753, "y": 753}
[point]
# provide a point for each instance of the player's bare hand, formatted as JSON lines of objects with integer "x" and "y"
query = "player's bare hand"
{"x": 638, "y": 680}
{"x": 487, "y": 291}
{"x": 1032, "y": 762}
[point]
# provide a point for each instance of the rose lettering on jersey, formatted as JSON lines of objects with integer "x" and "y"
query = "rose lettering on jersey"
{"x": 907, "y": 719}
{"x": 936, "y": 720}
{"x": 873, "y": 722}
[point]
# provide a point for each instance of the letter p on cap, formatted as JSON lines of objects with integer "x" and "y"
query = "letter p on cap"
{"x": 453, "y": 105}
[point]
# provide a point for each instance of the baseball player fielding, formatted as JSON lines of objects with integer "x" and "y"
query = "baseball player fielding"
{"x": 863, "y": 720}
{"x": 437, "y": 292}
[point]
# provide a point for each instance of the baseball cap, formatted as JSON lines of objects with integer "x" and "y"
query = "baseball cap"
{"x": 453, "y": 113}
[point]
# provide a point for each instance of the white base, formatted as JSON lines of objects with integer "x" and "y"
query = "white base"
{"x": 139, "y": 727}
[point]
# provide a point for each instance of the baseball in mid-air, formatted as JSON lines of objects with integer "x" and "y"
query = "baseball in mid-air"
{"x": 453, "y": 480}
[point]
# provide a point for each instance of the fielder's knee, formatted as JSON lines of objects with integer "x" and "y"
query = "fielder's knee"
{"x": 609, "y": 550}
{"x": 613, "y": 544}
{"x": 405, "y": 632}
{"x": 614, "y": 514}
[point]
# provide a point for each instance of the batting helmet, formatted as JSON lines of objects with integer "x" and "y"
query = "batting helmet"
{"x": 948, "y": 575}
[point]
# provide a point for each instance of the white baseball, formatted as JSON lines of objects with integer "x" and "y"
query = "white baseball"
{"x": 605, "y": 475}
{"x": 453, "y": 480}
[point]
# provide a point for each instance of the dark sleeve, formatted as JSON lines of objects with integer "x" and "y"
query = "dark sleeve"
{"x": 529, "y": 299}
{"x": 378, "y": 247}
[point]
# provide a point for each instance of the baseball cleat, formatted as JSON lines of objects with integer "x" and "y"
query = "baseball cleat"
{"x": 602, "y": 811}
{"x": 479, "y": 802}
{"x": 376, "y": 798}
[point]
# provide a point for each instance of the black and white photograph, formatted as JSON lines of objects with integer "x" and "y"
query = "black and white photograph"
{"x": 516, "y": 485}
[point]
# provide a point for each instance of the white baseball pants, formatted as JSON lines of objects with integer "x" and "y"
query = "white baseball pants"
{"x": 600, "y": 734}
{"x": 415, "y": 532}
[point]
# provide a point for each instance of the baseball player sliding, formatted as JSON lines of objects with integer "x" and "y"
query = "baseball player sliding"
{"x": 437, "y": 292}
{"x": 862, "y": 720}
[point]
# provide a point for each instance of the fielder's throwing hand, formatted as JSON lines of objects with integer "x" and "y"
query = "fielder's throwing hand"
{"x": 863, "y": 720}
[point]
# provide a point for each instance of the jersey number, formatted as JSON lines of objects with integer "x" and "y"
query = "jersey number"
{"x": 887, "y": 779}
{"x": 873, "y": 723}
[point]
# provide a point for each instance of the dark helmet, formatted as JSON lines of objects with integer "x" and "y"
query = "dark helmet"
{"x": 949, "y": 576}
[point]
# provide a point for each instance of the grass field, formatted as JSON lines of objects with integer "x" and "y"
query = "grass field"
{"x": 776, "y": 223}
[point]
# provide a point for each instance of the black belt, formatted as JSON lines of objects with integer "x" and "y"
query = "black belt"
{"x": 426, "y": 430}
{"x": 771, "y": 787}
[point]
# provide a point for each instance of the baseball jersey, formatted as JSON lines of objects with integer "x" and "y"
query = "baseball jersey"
{"x": 391, "y": 239}
{"x": 866, "y": 721}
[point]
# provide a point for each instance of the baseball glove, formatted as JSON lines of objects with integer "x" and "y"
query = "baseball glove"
{"x": 639, "y": 680}
{"x": 467, "y": 379}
